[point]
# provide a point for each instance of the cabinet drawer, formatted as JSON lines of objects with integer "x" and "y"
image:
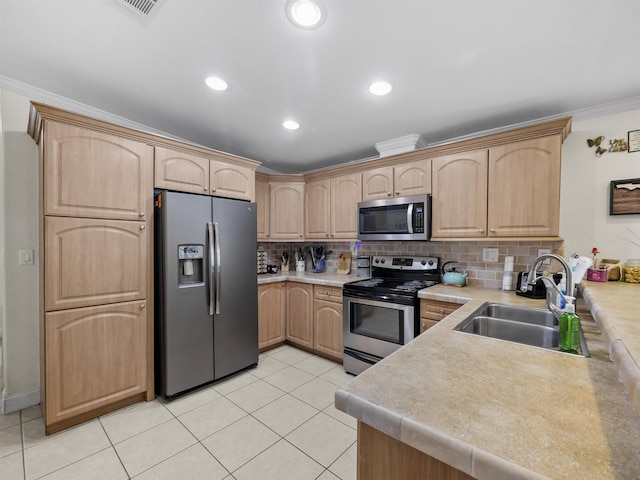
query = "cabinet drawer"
{"x": 426, "y": 324}
{"x": 436, "y": 310}
{"x": 330, "y": 294}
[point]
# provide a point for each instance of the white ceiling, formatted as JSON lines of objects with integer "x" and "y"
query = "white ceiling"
{"x": 457, "y": 67}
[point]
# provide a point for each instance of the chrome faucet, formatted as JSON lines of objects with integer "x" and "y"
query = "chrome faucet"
{"x": 568, "y": 297}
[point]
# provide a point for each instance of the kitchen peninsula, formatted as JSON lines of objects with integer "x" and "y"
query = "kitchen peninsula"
{"x": 460, "y": 406}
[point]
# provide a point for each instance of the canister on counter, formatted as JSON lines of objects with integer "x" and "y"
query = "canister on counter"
{"x": 632, "y": 270}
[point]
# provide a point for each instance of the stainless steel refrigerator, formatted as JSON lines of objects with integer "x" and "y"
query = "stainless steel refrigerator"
{"x": 206, "y": 302}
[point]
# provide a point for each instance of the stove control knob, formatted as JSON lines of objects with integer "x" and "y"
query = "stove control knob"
{"x": 423, "y": 262}
{"x": 431, "y": 263}
{"x": 382, "y": 261}
{"x": 377, "y": 260}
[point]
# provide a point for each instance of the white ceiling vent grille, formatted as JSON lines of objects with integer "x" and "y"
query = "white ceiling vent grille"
{"x": 142, "y": 9}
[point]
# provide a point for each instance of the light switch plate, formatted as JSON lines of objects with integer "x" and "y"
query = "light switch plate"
{"x": 490, "y": 254}
{"x": 25, "y": 257}
{"x": 546, "y": 261}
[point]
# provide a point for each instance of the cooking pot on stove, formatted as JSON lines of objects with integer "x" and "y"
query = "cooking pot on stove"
{"x": 452, "y": 277}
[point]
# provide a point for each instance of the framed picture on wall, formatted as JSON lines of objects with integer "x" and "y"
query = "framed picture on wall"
{"x": 624, "y": 197}
{"x": 634, "y": 141}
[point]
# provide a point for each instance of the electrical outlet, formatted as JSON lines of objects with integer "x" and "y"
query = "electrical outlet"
{"x": 25, "y": 257}
{"x": 490, "y": 254}
{"x": 541, "y": 251}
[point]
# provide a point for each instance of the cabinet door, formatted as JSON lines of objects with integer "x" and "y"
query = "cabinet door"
{"x": 286, "y": 219}
{"x": 327, "y": 336}
{"x": 231, "y": 181}
{"x": 94, "y": 357}
{"x": 93, "y": 262}
{"x": 460, "y": 195}
{"x": 299, "y": 317}
{"x": 412, "y": 178}
{"x": 377, "y": 184}
{"x": 181, "y": 171}
{"x": 346, "y": 192}
{"x": 317, "y": 207}
{"x": 270, "y": 314}
{"x": 92, "y": 174}
{"x": 262, "y": 210}
{"x": 524, "y": 188}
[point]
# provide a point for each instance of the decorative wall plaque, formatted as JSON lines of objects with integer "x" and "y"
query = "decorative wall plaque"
{"x": 624, "y": 197}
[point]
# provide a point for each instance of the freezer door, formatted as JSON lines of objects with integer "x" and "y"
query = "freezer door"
{"x": 236, "y": 286}
{"x": 186, "y": 328}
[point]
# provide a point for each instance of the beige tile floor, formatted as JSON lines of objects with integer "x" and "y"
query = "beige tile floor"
{"x": 276, "y": 421}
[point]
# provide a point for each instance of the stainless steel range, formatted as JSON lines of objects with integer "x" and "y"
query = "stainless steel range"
{"x": 382, "y": 313}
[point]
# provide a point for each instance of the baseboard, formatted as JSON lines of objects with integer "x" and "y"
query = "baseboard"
{"x": 17, "y": 402}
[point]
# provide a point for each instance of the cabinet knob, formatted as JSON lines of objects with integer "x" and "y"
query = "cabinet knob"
{"x": 481, "y": 230}
{"x": 142, "y": 306}
{"x": 267, "y": 235}
{"x": 205, "y": 189}
{"x": 442, "y": 311}
{"x": 423, "y": 324}
{"x": 327, "y": 234}
{"x": 142, "y": 227}
{"x": 397, "y": 192}
{"x": 388, "y": 194}
{"x": 492, "y": 230}
{"x": 142, "y": 214}
{"x": 300, "y": 235}
{"x": 214, "y": 190}
{"x": 332, "y": 234}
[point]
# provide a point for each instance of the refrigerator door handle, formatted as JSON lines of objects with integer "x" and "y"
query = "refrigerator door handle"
{"x": 217, "y": 268}
{"x": 211, "y": 240}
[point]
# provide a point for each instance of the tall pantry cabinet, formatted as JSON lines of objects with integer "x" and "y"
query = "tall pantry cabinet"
{"x": 96, "y": 268}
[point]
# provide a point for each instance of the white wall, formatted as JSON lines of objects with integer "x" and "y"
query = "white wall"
{"x": 584, "y": 206}
{"x": 19, "y": 227}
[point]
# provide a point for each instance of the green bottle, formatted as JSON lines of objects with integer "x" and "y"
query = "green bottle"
{"x": 569, "y": 331}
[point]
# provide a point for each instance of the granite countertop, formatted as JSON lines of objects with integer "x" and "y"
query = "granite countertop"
{"x": 324, "y": 278}
{"x": 498, "y": 410}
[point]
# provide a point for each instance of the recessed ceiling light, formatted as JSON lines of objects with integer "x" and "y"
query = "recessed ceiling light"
{"x": 216, "y": 83}
{"x": 305, "y": 13}
{"x": 291, "y": 124}
{"x": 380, "y": 88}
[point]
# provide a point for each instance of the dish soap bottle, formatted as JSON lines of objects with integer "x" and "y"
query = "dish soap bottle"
{"x": 569, "y": 331}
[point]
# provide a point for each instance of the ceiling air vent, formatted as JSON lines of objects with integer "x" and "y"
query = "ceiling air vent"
{"x": 141, "y": 8}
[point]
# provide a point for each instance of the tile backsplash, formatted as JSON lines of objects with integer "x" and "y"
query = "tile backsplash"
{"x": 467, "y": 254}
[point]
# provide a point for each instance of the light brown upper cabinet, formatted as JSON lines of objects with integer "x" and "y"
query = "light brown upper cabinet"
{"x": 524, "y": 188}
{"x": 93, "y": 174}
{"x": 459, "y": 200}
{"x": 331, "y": 208}
{"x": 231, "y": 181}
{"x": 510, "y": 190}
{"x": 262, "y": 209}
{"x": 286, "y": 211}
{"x": 407, "y": 179}
{"x": 181, "y": 171}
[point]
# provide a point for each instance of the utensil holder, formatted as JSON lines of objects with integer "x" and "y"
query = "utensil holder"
{"x": 300, "y": 266}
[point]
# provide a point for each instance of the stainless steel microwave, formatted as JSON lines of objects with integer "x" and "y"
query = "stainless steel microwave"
{"x": 403, "y": 218}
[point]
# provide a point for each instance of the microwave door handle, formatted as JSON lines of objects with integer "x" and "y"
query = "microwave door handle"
{"x": 410, "y": 218}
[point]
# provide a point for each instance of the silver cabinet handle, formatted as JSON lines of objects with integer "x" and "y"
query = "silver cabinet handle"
{"x": 142, "y": 227}
{"x": 388, "y": 194}
{"x": 492, "y": 230}
{"x": 142, "y": 214}
{"x": 397, "y": 192}
{"x": 214, "y": 189}
{"x": 481, "y": 230}
{"x": 142, "y": 306}
{"x": 442, "y": 310}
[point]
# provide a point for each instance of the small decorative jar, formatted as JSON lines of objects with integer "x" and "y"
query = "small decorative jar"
{"x": 632, "y": 271}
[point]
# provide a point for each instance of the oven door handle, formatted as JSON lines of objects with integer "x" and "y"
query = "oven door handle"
{"x": 363, "y": 358}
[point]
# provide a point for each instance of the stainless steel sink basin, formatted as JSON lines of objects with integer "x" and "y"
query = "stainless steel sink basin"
{"x": 529, "y": 326}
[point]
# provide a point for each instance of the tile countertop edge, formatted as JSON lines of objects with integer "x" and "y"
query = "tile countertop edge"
{"x": 452, "y": 451}
{"x": 326, "y": 279}
{"x": 626, "y": 366}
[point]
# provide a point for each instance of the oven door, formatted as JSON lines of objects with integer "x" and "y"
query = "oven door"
{"x": 376, "y": 327}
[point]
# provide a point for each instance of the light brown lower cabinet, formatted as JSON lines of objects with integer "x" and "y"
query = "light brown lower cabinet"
{"x": 327, "y": 322}
{"x": 96, "y": 358}
{"x": 271, "y": 298}
{"x": 432, "y": 311}
{"x": 299, "y": 316}
{"x": 381, "y": 457}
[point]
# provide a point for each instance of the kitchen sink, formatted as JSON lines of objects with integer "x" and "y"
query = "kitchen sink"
{"x": 528, "y": 326}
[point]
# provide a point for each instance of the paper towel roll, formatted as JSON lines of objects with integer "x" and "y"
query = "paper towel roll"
{"x": 187, "y": 267}
{"x": 508, "y": 264}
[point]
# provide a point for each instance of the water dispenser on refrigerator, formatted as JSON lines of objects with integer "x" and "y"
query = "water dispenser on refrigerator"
{"x": 190, "y": 265}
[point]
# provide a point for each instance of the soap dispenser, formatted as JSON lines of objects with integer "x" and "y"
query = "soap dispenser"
{"x": 569, "y": 330}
